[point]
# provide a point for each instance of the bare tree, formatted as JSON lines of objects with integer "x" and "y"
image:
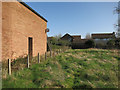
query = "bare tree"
{"x": 88, "y": 36}
{"x": 117, "y": 10}
{"x": 58, "y": 36}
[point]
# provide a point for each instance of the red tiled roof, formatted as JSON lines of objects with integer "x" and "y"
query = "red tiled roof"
{"x": 76, "y": 35}
{"x": 50, "y": 37}
{"x": 103, "y": 35}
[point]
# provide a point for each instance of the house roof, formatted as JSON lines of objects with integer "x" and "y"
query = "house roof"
{"x": 71, "y": 37}
{"x": 76, "y": 36}
{"x": 50, "y": 37}
{"x": 103, "y": 35}
{"x": 23, "y": 3}
{"x": 66, "y": 36}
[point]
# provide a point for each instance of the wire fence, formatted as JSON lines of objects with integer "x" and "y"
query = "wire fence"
{"x": 13, "y": 65}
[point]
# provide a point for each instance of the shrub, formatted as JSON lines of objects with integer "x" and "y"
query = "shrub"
{"x": 90, "y": 44}
{"x": 64, "y": 43}
{"x": 117, "y": 43}
{"x": 53, "y": 41}
{"x": 111, "y": 44}
{"x": 57, "y": 43}
{"x": 101, "y": 45}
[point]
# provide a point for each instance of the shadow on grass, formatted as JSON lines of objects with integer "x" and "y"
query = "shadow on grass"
{"x": 117, "y": 57}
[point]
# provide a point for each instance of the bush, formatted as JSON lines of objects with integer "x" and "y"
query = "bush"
{"x": 117, "y": 43}
{"x": 101, "y": 45}
{"x": 114, "y": 43}
{"x": 53, "y": 41}
{"x": 63, "y": 43}
{"x": 58, "y": 42}
{"x": 90, "y": 44}
{"x": 111, "y": 44}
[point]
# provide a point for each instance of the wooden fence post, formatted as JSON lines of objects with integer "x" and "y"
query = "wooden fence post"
{"x": 53, "y": 53}
{"x": 28, "y": 61}
{"x": 45, "y": 55}
{"x": 60, "y": 50}
{"x": 57, "y": 52}
{"x": 50, "y": 53}
{"x": 38, "y": 58}
{"x": 9, "y": 66}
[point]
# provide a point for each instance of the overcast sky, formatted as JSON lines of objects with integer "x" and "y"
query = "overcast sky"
{"x": 77, "y": 18}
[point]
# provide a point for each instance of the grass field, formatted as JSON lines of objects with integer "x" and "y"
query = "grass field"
{"x": 86, "y": 68}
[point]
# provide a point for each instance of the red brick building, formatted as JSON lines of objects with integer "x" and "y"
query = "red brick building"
{"x": 23, "y": 31}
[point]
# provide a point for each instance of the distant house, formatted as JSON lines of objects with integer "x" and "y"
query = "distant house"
{"x": 101, "y": 39}
{"x": 67, "y": 37}
{"x": 103, "y": 35}
{"x": 76, "y": 41}
{"x": 71, "y": 38}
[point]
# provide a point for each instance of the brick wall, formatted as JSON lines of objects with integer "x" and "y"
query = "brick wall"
{"x": 19, "y": 23}
{"x": 0, "y": 31}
